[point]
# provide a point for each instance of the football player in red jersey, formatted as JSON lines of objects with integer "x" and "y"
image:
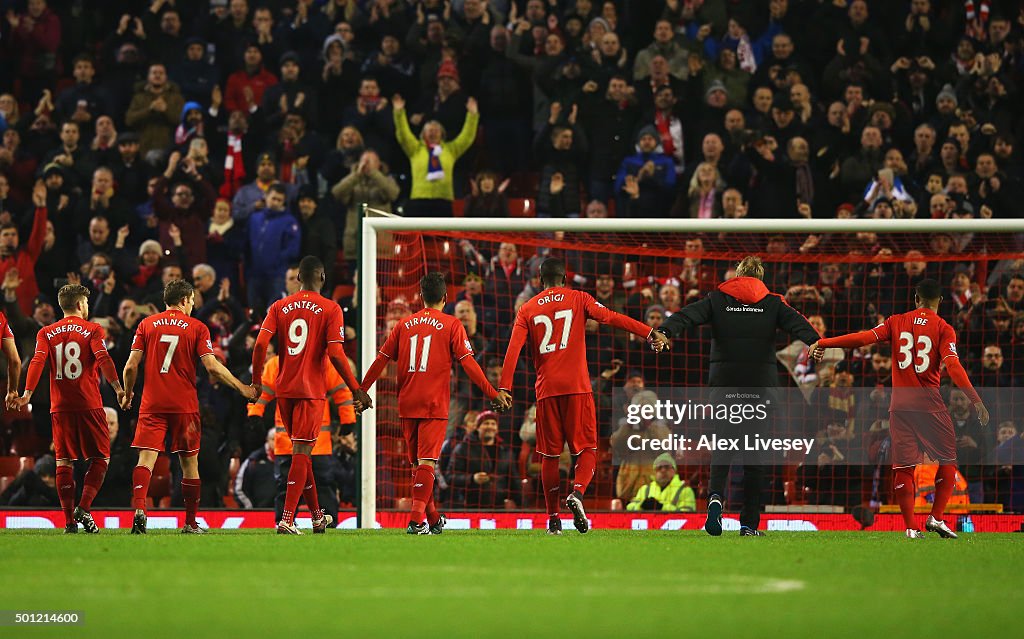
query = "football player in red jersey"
{"x": 10, "y": 350}
{"x": 919, "y": 422}
{"x": 424, "y": 345}
{"x": 171, "y": 341}
{"x": 554, "y": 321}
{"x": 75, "y": 351}
{"x": 309, "y": 327}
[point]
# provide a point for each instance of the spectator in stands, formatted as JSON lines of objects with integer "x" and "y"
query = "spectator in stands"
{"x": 76, "y": 160}
{"x": 432, "y": 160}
{"x": 195, "y": 75}
{"x": 84, "y": 101}
{"x": 702, "y": 194}
{"x": 35, "y": 487}
{"x": 252, "y": 196}
{"x": 318, "y": 235}
{"x": 561, "y": 151}
{"x": 368, "y": 183}
{"x": 255, "y": 486}
{"x": 481, "y": 467}
{"x": 274, "y": 242}
{"x": 245, "y": 87}
{"x": 188, "y": 208}
{"x": 645, "y": 179}
{"x": 98, "y": 240}
{"x": 973, "y": 444}
{"x": 487, "y": 196}
{"x": 665, "y": 45}
{"x": 103, "y": 201}
{"x": 633, "y": 467}
{"x": 609, "y": 120}
{"x": 154, "y": 111}
{"x": 290, "y": 94}
{"x": 23, "y": 258}
{"x": 667, "y": 492}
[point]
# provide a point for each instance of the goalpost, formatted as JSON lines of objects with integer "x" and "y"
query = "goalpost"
{"x": 650, "y": 237}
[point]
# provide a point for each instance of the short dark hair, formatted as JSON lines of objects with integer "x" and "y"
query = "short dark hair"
{"x": 433, "y": 288}
{"x": 552, "y": 272}
{"x": 83, "y": 57}
{"x": 310, "y": 269}
{"x": 177, "y": 292}
{"x": 70, "y": 295}
{"x": 277, "y": 187}
{"x": 928, "y": 289}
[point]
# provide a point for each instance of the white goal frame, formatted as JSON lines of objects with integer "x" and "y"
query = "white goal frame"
{"x": 367, "y": 288}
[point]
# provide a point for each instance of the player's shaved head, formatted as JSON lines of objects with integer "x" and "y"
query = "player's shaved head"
{"x": 177, "y": 291}
{"x": 70, "y": 295}
{"x": 433, "y": 289}
{"x": 929, "y": 291}
{"x": 552, "y": 272}
{"x": 311, "y": 272}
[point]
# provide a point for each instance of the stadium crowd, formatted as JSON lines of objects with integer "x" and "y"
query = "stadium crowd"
{"x": 221, "y": 140}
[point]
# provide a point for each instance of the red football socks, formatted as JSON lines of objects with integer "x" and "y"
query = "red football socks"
{"x": 550, "y": 481}
{"x": 903, "y": 488}
{"x": 92, "y": 482}
{"x": 297, "y": 474}
{"x": 432, "y": 515}
{"x": 66, "y": 492}
{"x": 309, "y": 491}
{"x": 586, "y": 463}
{"x": 422, "y": 490}
{"x": 945, "y": 481}
{"x": 140, "y": 486}
{"x": 190, "y": 495}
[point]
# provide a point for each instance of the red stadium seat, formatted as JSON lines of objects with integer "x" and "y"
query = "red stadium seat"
{"x": 10, "y": 465}
{"x": 458, "y": 208}
{"x": 522, "y": 207}
{"x": 160, "y": 484}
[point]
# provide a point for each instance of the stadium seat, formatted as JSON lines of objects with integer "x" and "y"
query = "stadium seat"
{"x": 10, "y": 465}
{"x": 522, "y": 207}
{"x": 459, "y": 208}
{"x": 160, "y": 484}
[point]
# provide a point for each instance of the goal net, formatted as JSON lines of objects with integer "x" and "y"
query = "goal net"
{"x": 844, "y": 276}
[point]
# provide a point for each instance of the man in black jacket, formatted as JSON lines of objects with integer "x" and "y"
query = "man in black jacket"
{"x": 744, "y": 318}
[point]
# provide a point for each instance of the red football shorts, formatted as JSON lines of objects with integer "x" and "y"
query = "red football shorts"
{"x": 301, "y": 417}
{"x": 566, "y": 419}
{"x": 183, "y": 430}
{"x": 915, "y": 434}
{"x": 424, "y": 438}
{"x": 81, "y": 435}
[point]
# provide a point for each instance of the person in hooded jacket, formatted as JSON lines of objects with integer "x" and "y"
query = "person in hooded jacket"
{"x": 744, "y": 318}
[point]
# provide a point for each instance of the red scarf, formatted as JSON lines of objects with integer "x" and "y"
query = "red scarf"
{"x": 234, "y": 167}
{"x": 663, "y": 125}
{"x": 145, "y": 272}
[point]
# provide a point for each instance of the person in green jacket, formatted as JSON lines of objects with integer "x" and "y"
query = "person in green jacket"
{"x": 432, "y": 159}
{"x": 667, "y": 493}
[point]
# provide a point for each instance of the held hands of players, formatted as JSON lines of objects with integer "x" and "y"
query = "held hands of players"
{"x": 125, "y": 399}
{"x": 502, "y": 402}
{"x": 14, "y": 402}
{"x": 659, "y": 341}
{"x": 252, "y": 392}
{"x": 983, "y": 416}
{"x": 361, "y": 400}
{"x": 816, "y": 352}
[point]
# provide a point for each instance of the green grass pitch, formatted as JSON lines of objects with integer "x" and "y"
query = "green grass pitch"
{"x": 515, "y": 584}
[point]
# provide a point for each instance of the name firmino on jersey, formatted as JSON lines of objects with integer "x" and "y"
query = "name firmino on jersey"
{"x": 431, "y": 321}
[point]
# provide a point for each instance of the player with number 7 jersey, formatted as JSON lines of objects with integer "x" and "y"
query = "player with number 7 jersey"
{"x": 919, "y": 422}
{"x": 554, "y": 321}
{"x": 171, "y": 342}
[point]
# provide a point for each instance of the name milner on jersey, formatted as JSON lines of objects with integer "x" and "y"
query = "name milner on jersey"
{"x": 170, "y": 322}
{"x": 302, "y": 305}
{"x": 54, "y": 331}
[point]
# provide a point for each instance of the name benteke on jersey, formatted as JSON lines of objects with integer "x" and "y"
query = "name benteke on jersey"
{"x": 54, "y": 331}
{"x": 302, "y": 305}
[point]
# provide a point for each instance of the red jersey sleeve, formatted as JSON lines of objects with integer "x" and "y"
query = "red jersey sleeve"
{"x": 461, "y": 346}
{"x": 270, "y": 321}
{"x": 334, "y": 324}
{"x": 598, "y": 311}
{"x": 390, "y": 347}
{"x": 515, "y": 346}
{"x": 5, "y": 328}
{"x": 883, "y": 332}
{"x": 139, "y": 343}
{"x": 35, "y": 367}
{"x": 947, "y": 342}
{"x": 204, "y": 345}
{"x": 96, "y": 344}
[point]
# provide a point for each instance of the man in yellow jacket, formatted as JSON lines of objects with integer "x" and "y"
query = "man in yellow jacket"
{"x": 432, "y": 159}
{"x": 667, "y": 493}
{"x": 338, "y": 395}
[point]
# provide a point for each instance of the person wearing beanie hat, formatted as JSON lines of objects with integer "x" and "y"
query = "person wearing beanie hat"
{"x": 667, "y": 492}
{"x": 716, "y": 87}
{"x": 646, "y": 179}
{"x": 194, "y": 74}
{"x": 319, "y": 238}
{"x": 424, "y": 384}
